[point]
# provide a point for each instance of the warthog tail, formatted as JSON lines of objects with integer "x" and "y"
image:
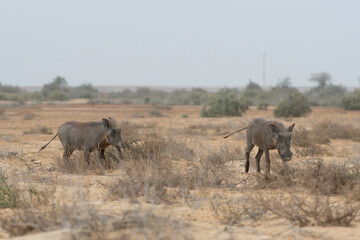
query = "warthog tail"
{"x": 235, "y": 132}
{"x": 43, "y": 147}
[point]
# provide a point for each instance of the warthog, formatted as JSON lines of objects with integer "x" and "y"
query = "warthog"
{"x": 267, "y": 135}
{"x": 89, "y": 136}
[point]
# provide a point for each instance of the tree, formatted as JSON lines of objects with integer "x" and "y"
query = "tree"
{"x": 284, "y": 83}
{"x": 252, "y": 86}
{"x": 58, "y": 84}
{"x": 323, "y": 79}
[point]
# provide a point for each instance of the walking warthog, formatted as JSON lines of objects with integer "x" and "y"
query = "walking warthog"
{"x": 89, "y": 136}
{"x": 267, "y": 135}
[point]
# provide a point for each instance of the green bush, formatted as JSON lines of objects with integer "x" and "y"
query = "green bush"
{"x": 225, "y": 103}
{"x": 58, "y": 95}
{"x": 295, "y": 105}
{"x": 351, "y": 101}
{"x": 9, "y": 195}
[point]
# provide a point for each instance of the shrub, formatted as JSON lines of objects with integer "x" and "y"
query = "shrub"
{"x": 225, "y": 103}
{"x": 295, "y": 105}
{"x": 351, "y": 101}
{"x": 330, "y": 178}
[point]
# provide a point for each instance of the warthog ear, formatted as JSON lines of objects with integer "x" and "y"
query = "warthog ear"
{"x": 113, "y": 122}
{"x": 291, "y": 127}
{"x": 106, "y": 122}
{"x": 274, "y": 127}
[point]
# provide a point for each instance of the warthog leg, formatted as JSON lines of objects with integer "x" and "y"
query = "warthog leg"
{"x": 247, "y": 163}
{"x": 102, "y": 154}
{"x": 67, "y": 153}
{"x": 87, "y": 156}
{"x": 267, "y": 161}
{"x": 257, "y": 157}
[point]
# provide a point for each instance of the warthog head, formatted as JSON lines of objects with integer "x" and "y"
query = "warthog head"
{"x": 113, "y": 135}
{"x": 283, "y": 143}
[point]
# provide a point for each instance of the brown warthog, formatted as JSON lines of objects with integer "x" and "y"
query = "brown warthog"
{"x": 267, "y": 135}
{"x": 89, "y": 136}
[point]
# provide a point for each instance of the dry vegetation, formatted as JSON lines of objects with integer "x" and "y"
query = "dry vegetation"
{"x": 178, "y": 179}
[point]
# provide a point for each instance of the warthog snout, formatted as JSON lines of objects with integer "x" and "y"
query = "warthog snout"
{"x": 286, "y": 156}
{"x": 123, "y": 145}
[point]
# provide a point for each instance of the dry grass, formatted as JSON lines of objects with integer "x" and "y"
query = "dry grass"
{"x": 313, "y": 151}
{"x": 39, "y": 130}
{"x": 322, "y": 132}
{"x": 79, "y": 218}
{"x": 151, "y": 168}
{"x": 77, "y": 165}
{"x": 155, "y": 113}
{"x": 334, "y": 130}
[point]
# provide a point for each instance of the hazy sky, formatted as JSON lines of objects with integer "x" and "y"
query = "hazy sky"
{"x": 178, "y": 43}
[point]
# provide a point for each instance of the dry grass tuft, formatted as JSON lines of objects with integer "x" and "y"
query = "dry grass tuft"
{"x": 29, "y": 116}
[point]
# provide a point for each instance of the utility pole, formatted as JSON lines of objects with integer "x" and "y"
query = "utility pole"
{"x": 263, "y": 77}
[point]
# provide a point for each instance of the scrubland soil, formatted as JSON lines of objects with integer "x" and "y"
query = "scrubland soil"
{"x": 179, "y": 179}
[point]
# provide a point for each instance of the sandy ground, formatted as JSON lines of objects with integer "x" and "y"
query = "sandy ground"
{"x": 21, "y": 160}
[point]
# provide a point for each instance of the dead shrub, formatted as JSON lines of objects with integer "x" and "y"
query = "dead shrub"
{"x": 147, "y": 225}
{"x": 212, "y": 170}
{"x": 328, "y": 179}
{"x": 280, "y": 178}
{"x": 307, "y": 211}
{"x": 237, "y": 211}
{"x": 149, "y": 169}
{"x": 39, "y": 130}
{"x": 155, "y": 147}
